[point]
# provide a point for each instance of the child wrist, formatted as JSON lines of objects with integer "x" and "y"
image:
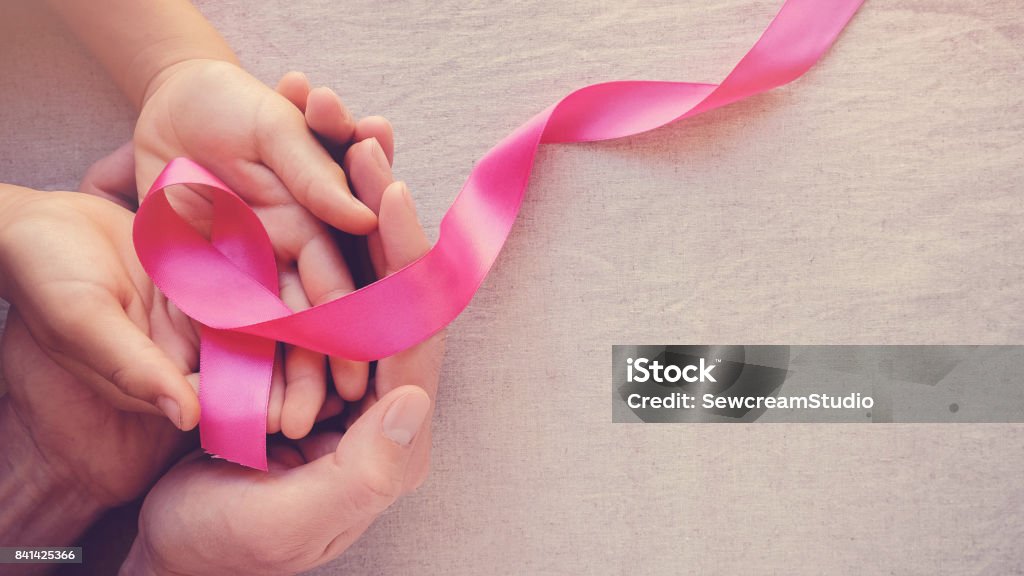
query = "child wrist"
{"x": 166, "y": 70}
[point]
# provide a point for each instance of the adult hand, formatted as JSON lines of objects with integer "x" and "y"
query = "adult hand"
{"x": 112, "y": 456}
{"x": 89, "y": 354}
{"x": 71, "y": 273}
{"x": 208, "y": 516}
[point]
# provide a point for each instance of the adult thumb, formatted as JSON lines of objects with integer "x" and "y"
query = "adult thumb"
{"x": 374, "y": 453}
{"x": 366, "y": 473}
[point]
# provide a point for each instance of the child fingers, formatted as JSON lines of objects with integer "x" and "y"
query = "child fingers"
{"x": 287, "y": 146}
{"x": 333, "y": 406}
{"x": 327, "y": 115}
{"x": 322, "y": 269}
{"x": 305, "y": 391}
{"x": 370, "y": 174}
{"x": 322, "y": 275}
{"x": 295, "y": 87}
{"x": 325, "y": 277}
{"x": 350, "y": 378}
{"x": 319, "y": 263}
{"x": 369, "y": 171}
{"x": 305, "y": 372}
{"x": 299, "y": 238}
{"x": 275, "y": 403}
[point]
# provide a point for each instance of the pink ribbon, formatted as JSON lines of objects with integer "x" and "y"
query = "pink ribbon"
{"x": 229, "y": 283}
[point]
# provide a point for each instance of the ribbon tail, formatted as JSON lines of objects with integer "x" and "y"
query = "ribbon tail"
{"x": 234, "y": 389}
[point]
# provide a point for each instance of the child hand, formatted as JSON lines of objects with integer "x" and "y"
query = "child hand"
{"x": 259, "y": 144}
{"x": 251, "y": 137}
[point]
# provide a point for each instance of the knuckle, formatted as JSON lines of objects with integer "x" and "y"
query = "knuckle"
{"x": 375, "y": 491}
{"x": 305, "y": 382}
{"x": 62, "y": 334}
{"x": 128, "y": 377}
{"x": 283, "y": 553}
{"x": 123, "y": 403}
{"x": 52, "y": 341}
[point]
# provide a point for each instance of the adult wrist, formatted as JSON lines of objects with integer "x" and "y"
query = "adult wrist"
{"x": 43, "y": 506}
{"x": 10, "y": 198}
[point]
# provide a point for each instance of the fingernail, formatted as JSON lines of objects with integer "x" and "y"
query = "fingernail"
{"x": 346, "y": 115}
{"x": 405, "y": 417}
{"x": 170, "y": 409}
{"x": 406, "y": 195}
{"x": 379, "y": 157}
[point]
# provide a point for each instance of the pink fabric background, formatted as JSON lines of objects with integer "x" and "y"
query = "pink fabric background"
{"x": 902, "y": 156}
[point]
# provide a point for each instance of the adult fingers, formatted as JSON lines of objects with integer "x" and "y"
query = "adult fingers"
{"x": 418, "y": 366}
{"x": 402, "y": 237}
{"x": 103, "y": 339}
{"x": 370, "y": 173}
{"x": 378, "y": 128}
{"x": 403, "y": 241}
